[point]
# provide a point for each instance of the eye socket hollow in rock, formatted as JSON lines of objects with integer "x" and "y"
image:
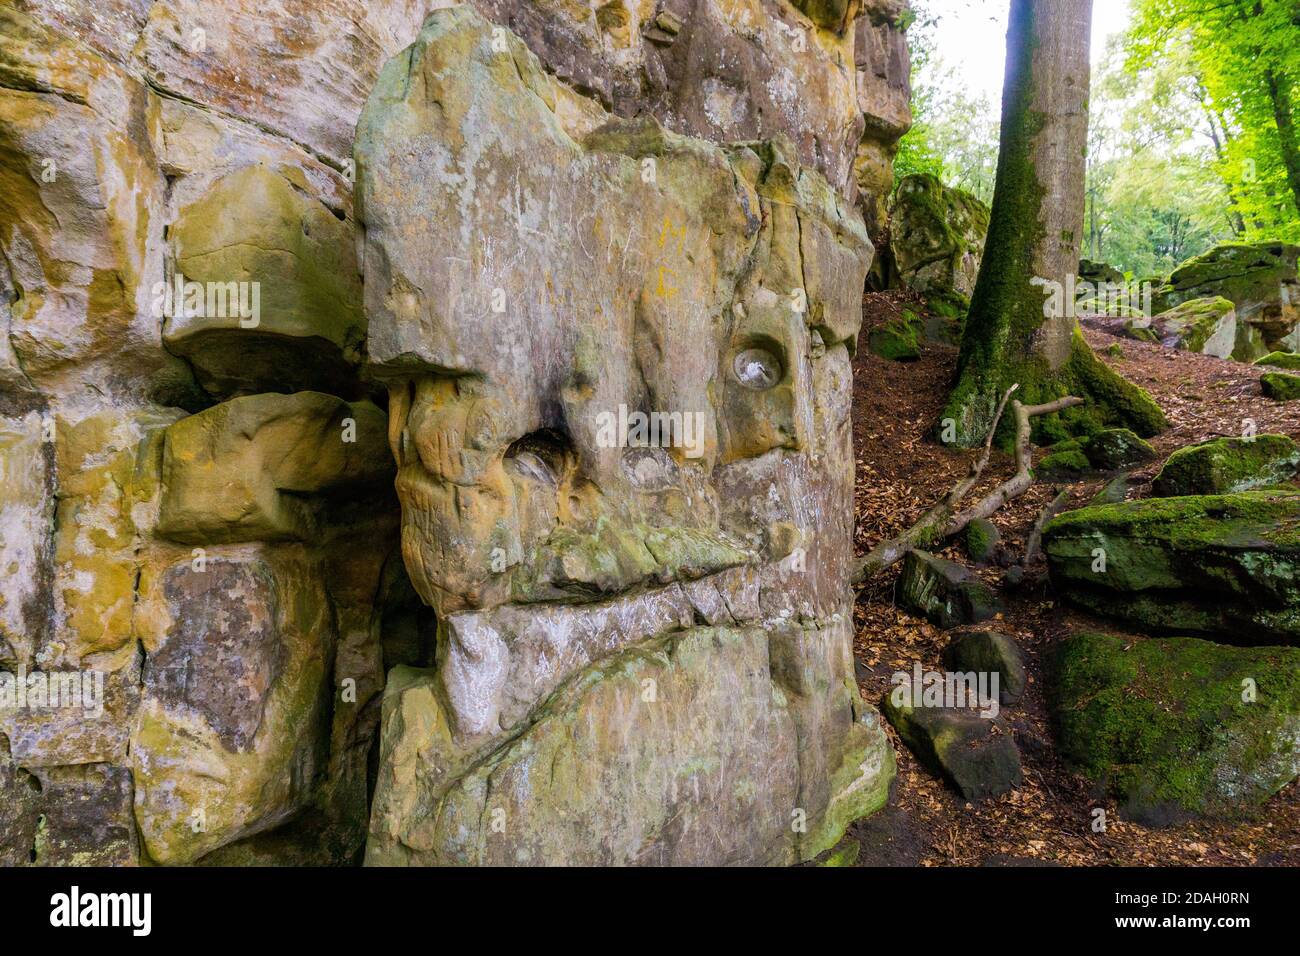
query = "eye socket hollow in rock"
{"x": 757, "y": 368}
{"x": 543, "y": 455}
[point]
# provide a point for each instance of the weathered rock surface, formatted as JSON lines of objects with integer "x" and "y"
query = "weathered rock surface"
{"x": 300, "y": 326}
{"x": 1109, "y": 450}
{"x": 1207, "y": 326}
{"x": 1099, "y": 273}
{"x": 1280, "y": 386}
{"x": 205, "y": 491}
{"x": 677, "y": 605}
{"x": 1226, "y": 566}
{"x": 975, "y": 754}
{"x": 944, "y": 592}
{"x": 1178, "y": 726}
{"x": 260, "y": 468}
{"x": 1260, "y": 280}
{"x": 989, "y": 652}
{"x": 1290, "y": 361}
{"x": 982, "y": 540}
{"x": 1224, "y": 465}
{"x": 884, "y": 93}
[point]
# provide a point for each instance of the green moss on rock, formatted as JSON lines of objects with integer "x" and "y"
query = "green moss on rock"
{"x": 1283, "y": 360}
{"x": 1179, "y": 726}
{"x": 898, "y": 339}
{"x": 1221, "y": 565}
{"x": 982, "y": 539}
{"x": 1225, "y": 465}
{"x": 1280, "y": 386}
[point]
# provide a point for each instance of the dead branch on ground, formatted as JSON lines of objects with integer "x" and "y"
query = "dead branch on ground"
{"x": 943, "y": 520}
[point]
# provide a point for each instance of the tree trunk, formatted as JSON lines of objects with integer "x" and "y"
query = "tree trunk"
{"x": 1016, "y": 331}
{"x": 1285, "y": 118}
{"x": 1219, "y": 139}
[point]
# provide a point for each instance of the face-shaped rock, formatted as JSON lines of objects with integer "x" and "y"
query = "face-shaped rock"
{"x": 581, "y": 322}
{"x": 619, "y": 379}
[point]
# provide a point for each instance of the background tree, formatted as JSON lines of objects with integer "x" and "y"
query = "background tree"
{"x": 1155, "y": 193}
{"x": 1245, "y": 54}
{"x": 1011, "y": 336}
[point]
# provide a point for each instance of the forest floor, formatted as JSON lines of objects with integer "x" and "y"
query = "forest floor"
{"x": 901, "y": 470}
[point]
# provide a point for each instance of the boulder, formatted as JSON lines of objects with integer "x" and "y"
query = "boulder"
{"x": 1226, "y": 566}
{"x": 975, "y": 754}
{"x": 1280, "y": 386}
{"x": 899, "y": 339}
{"x": 982, "y": 540}
{"x": 1109, "y": 450}
{"x": 1207, "y": 326}
{"x": 1099, "y": 273}
{"x": 1287, "y": 361}
{"x": 987, "y": 652}
{"x": 1224, "y": 465}
{"x": 943, "y": 592}
{"x": 1117, "y": 449}
{"x": 937, "y": 240}
{"x": 1259, "y": 279}
{"x": 1179, "y": 727}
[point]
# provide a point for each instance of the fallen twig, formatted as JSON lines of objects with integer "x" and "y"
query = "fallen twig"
{"x": 943, "y": 520}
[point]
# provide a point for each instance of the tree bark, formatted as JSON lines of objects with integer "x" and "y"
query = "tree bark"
{"x": 1034, "y": 237}
{"x": 1285, "y": 118}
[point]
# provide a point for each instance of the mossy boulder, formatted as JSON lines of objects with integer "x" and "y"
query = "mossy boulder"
{"x": 1207, "y": 326}
{"x": 1259, "y": 279}
{"x": 1290, "y": 361}
{"x": 982, "y": 540}
{"x": 937, "y": 241}
{"x": 1116, "y": 449}
{"x": 899, "y": 339}
{"x": 1178, "y": 727}
{"x": 975, "y": 754}
{"x": 1226, "y": 566}
{"x": 1065, "y": 461}
{"x": 1225, "y": 465}
{"x": 989, "y": 652}
{"x": 1109, "y": 450}
{"x": 1280, "y": 386}
{"x": 1099, "y": 272}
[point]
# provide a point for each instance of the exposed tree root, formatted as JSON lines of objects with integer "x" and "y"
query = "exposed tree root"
{"x": 1050, "y": 511}
{"x": 944, "y": 519}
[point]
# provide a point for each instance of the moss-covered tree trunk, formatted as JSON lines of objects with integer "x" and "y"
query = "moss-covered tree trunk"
{"x": 1016, "y": 332}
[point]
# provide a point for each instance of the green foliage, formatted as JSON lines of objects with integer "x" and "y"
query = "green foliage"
{"x": 954, "y": 135}
{"x": 1154, "y": 197}
{"x": 1241, "y": 64}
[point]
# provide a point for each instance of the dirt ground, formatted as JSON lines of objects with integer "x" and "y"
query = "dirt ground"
{"x": 901, "y": 470}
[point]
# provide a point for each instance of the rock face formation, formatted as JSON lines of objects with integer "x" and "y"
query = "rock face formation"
{"x": 644, "y": 649}
{"x": 635, "y": 654}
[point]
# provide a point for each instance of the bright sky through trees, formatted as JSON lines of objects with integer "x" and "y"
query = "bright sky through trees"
{"x": 972, "y": 35}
